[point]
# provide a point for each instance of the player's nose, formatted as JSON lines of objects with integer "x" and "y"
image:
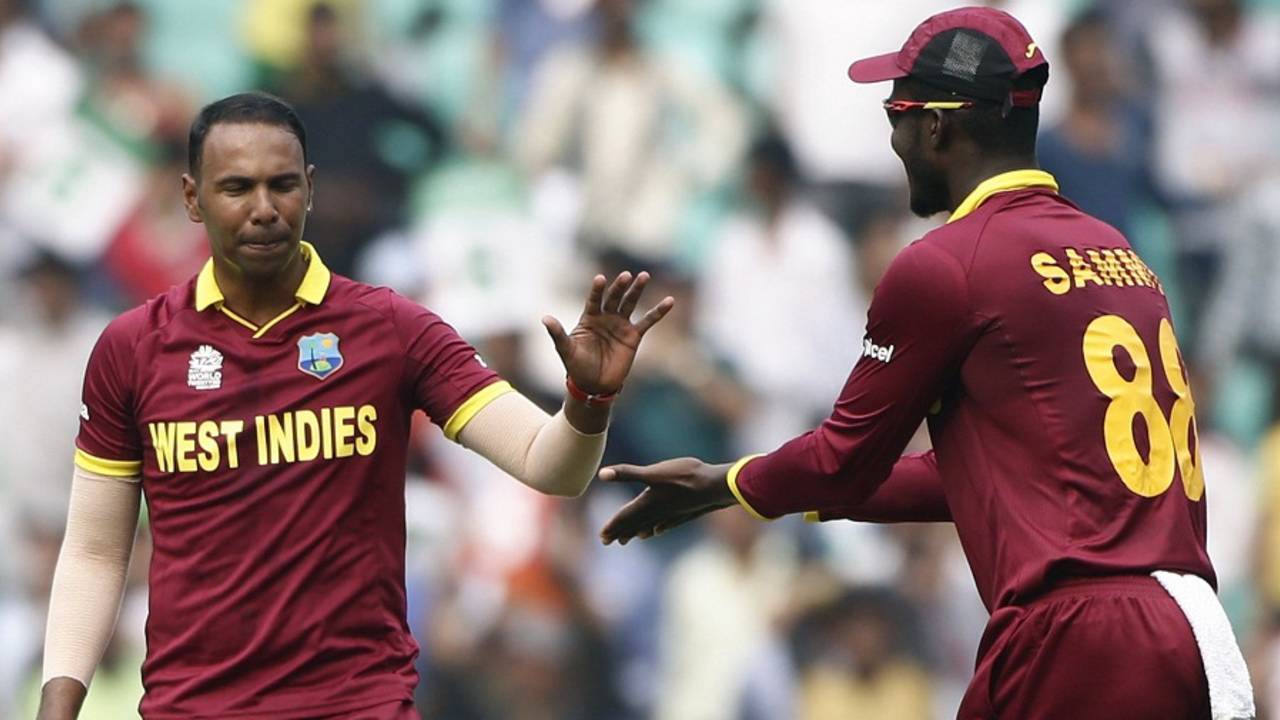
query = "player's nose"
{"x": 263, "y": 209}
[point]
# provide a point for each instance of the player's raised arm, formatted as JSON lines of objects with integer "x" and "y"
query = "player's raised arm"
{"x": 559, "y": 454}
{"x": 918, "y": 327}
{"x": 87, "y": 587}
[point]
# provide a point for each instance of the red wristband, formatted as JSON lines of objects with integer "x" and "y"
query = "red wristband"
{"x": 587, "y": 398}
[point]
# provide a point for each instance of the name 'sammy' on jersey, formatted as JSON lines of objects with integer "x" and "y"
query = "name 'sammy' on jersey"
{"x": 290, "y": 437}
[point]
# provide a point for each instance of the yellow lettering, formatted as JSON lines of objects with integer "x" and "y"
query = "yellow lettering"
{"x": 1081, "y": 270}
{"x": 230, "y": 430}
{"x": 369, "y": 435}
{"x": 186, "y": 445}
{"x": 1152, "y": 280}
{"x": 326, "y": 433}
{"x": 1096, "y": 259}
{"x": 260, "y": 426}
{"x": 162, "y": 438}
{"x": 1111, "y": 265}
{"x": 1056, "y": 280}
{"x": 308, "y": 435}
{"x": 281, "y": 438}
{"x": 207, "y": 436}
{"x": 343, "y": 431}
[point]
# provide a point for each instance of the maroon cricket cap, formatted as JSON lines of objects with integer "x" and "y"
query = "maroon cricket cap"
{"x": 976, "y": 52}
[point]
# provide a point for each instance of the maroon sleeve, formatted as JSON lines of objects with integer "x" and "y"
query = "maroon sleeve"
{"x": 918, "y": 328}
{"x": 911, "y": 493}
{"x": 108, "y": 439}
{"x": 443, "y": 370}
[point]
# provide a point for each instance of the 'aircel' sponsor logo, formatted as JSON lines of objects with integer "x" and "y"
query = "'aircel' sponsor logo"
{"x": 883, "y": 353}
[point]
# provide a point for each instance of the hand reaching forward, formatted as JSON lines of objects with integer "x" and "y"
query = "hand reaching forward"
{"x": 598, "y": 353}
{"x": 676, "y": 491}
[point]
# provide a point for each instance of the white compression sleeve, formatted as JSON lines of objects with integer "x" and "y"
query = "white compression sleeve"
{"x": 89, "y": 581}
{"x": 544, "y": 452}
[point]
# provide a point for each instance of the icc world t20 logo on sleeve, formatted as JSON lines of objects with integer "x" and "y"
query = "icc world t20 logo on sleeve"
{"x": 318, "y": 355}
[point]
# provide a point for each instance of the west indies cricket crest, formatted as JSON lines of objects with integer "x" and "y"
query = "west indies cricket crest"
{"x": 318, "y": 355}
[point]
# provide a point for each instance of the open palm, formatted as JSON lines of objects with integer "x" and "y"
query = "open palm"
{"x": 598, "y": 352}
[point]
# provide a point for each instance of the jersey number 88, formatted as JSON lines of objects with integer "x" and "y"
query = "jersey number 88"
{"x": 1167, "y": 438}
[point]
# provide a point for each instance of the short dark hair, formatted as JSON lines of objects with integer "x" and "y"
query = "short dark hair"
{"x": 991, "y": 125}
{"x": 771, "y": 151}
{"x": 249, "y": 107}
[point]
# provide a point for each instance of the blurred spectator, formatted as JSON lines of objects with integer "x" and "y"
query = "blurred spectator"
{"x": 525, "y": 31}
{"x": 275, "y": 31}
{"x": 157, "y": 246}
{"x": 781, "y": 301}
{"x": 644, "y": 135}
{"x": 42, "y": 357}
{"x": 367, "y": 145}
{"x": 43, "y": 354}
{"x": 60, "y": 180}
{"x": 834, "y": 126}
{"x": 859, "y": 667}
{"x": 1099, "y": 151}
{"x": 1244, "y": 315}
{"x": 722, "y": 600}
{"x": 1217, "y": 77}
{"x": 122, "y": 92}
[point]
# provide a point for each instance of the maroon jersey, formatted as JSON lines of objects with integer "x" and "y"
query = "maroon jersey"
{"x": 1040, "y": 350}
{"x": 273, "y": 464}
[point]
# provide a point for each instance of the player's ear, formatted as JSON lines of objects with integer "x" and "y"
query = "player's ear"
{"x": 937, "y": 129}
{"x": 190, "y": 199}
{"x": 311, "y": 185}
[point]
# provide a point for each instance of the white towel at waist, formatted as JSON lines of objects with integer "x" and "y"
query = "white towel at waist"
{"x": 1230, "y": 692}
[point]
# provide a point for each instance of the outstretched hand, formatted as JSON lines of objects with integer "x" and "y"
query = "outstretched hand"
{"x": 676, "y": 491}
{"x": 597, "y": 354}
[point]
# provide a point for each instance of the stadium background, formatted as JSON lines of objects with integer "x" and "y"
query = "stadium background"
{"x": 486, "y": 157}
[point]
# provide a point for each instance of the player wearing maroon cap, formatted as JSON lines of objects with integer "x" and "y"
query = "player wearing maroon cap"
{"x": 1038, "y": 348}
{"x": 263, "y": 408}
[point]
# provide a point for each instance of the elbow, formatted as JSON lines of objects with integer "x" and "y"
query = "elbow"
{"x": 564, "y": 483}
{"x": 565, "y": 487}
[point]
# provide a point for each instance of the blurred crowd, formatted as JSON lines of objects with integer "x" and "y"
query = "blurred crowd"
{"x": 487, "y": 157}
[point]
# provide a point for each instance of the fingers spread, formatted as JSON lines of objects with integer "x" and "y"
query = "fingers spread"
{"x": 595, "y": 296}
{"x": 617, "y": 289}
{"x": 558, "y": 336}
{"x": 656, "y": 313}
{"x": 632, "y": 298}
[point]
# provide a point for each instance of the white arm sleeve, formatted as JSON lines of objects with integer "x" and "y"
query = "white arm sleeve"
{"x": 89, "y": 580}
{"x": 542, "y": 451}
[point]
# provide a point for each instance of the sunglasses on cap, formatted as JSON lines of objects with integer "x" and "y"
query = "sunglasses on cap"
{"x": 897, "y": 107}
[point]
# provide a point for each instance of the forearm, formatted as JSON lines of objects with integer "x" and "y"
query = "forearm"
{"x": 912, "y": 493}
{"x": 60, "y": 699}
{"x": 557, "y": 454}
{"x": 88, "y": 584}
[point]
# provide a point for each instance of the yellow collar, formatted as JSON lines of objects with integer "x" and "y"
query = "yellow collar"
{"x": 315, "y": 283}
{"x": 1004, "y": 182}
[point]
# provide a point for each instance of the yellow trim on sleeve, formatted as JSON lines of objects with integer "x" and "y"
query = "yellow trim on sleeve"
{"x": 813, "y": 516}
{"x": 732, "y": 479}
{"x": 110, "y": 468}
{"x": 473, "y": 405}
{"x": 1004, "y": 182}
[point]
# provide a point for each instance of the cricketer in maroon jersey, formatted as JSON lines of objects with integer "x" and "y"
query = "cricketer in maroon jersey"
{"x": 1031, "y": 338}
{"x": 273, "y": 464}
{"x": 265, "y": 406}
